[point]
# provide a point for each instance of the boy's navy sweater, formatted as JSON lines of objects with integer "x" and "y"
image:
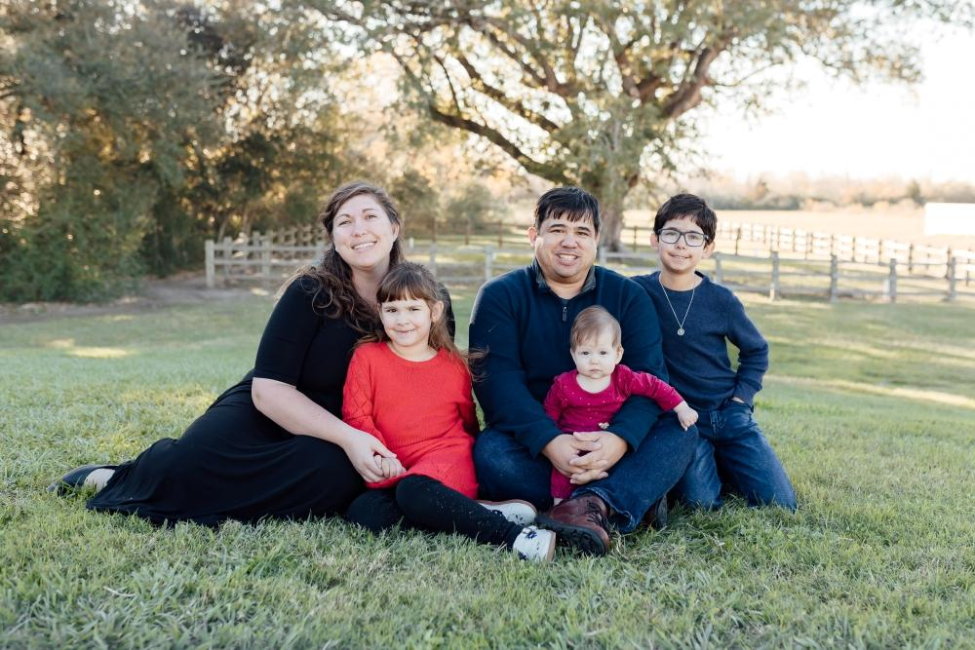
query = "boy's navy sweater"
{"x": 524, "y": 329}
{"x": 698, "y": 362}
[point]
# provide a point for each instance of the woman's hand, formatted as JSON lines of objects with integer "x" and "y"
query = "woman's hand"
{"x": 364, "y": 450}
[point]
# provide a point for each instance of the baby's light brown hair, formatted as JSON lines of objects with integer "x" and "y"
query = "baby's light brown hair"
{"x": 590, "y": 322}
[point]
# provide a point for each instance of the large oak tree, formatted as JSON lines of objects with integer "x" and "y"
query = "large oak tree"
{"x": 593, "y": 92}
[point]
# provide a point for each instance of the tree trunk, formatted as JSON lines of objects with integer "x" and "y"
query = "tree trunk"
{"x": 611, "y": 184}
{"x": 612, "y": 226}
{"x": 611, "y": 196}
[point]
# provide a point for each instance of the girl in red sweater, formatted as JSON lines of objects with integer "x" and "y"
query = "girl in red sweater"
{"x": 410, "y": 387}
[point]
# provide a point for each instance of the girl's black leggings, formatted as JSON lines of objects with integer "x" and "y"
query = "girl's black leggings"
{"x": 420, "y": 502}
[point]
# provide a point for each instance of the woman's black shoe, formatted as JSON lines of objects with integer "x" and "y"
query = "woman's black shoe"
{"x": 75, "y": 479}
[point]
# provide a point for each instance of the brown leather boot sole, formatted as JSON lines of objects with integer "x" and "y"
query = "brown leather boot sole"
{"x": 583, "y": 538}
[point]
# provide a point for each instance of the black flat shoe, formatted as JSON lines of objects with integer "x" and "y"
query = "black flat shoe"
{"x": 75, "y": 479}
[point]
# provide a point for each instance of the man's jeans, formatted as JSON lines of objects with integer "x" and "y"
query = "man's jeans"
{"x": 733, "y": 448}
{"x": 506, "y": 470}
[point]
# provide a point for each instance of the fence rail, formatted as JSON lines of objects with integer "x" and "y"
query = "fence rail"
{"x": 782, "y": 273}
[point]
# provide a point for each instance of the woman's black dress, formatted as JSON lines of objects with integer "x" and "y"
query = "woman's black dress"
{"x": 233, "y": 462}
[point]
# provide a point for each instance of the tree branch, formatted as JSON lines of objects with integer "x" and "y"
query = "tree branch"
{"x": 478, "y": 26}
{"x": 621, "y": 57}
{"x": 552, "y": 172}
{"x": 548, "y": 79}
{"x": 688, "y": 94}
{"x": 498, "y": 95}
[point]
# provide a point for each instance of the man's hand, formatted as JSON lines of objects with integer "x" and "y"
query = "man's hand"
{"x": 565, "y": 448}
{"x": 596, "y": 464}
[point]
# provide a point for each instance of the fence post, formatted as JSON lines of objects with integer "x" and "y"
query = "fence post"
{"x": 210, "y": 265}
{"x": 952, "y": 287}
{"x": 832, "y": 244}
{"x": 948, "y": 257}
{"x": 834, "y": 278}
{"x": 737, "y": 240}
{"x": 433, "y": 258}
{"x": 773, "y": 291}
{"x": 718, "y": 274}
{"x": 501, "y": 234}
{"x": 853, "y": 249}
{"x": 467, "y": 232}
{"x": 266, "y": 258}
{"x": 602, "y": 256}
{"x": 488, "y": 262}
{"x": 228, "y": 255}
{"x": 636, "y": 238}
{"x": 892, "y": 281}
{"x": 910, "y": 258}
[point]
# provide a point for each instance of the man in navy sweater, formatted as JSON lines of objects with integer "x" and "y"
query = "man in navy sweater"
{"x": 522, "y": 321}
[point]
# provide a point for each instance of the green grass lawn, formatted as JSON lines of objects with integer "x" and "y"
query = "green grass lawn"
{"x": 871, "y": 407}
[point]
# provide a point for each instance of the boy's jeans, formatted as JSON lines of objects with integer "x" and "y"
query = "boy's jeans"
{"x": 733, "y": 447}
{"x": 506, "y": 470}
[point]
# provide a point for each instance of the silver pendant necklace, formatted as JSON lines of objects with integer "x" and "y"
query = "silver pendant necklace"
{"x": 680, "y": 321}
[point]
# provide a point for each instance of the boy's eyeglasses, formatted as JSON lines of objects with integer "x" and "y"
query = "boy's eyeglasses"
{"x": 692, "y": 238}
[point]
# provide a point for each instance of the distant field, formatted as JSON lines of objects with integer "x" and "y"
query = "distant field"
{"x": 906, "y": 226}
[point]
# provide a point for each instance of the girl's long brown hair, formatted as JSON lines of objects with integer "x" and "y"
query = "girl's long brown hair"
{"x": 335, "y": 296}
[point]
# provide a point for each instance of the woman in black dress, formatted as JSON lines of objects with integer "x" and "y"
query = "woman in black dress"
{"x": 274, "y": 445}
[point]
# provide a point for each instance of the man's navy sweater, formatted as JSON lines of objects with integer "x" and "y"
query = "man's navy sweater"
{"x": 698, "y": 362}
{"x": 524, "y": 329}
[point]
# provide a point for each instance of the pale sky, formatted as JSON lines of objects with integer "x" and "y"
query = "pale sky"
{"x": 834, "y": 128}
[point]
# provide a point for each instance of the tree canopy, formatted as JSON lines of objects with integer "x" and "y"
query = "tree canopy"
{"x": 595, "y": 92}
{"x": 131, "y": 129}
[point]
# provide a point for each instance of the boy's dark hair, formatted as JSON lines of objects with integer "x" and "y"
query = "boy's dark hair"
{"x": 687, "y": 205}
{"x": 573, "y": 203}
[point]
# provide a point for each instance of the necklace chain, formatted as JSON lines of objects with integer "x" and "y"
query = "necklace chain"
{"x": 680, "y": 321}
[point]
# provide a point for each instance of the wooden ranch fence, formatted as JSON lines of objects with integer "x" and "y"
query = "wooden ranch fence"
{"x": 817, "y": 273}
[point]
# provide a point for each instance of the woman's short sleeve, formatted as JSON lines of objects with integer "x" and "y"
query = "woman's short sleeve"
{"x": 288, "y": 333}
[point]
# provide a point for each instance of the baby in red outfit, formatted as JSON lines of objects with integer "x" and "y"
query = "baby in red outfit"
{"x": 587, "y": 398}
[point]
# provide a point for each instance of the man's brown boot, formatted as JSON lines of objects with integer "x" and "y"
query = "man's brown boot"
{"x": 582, "y": 522}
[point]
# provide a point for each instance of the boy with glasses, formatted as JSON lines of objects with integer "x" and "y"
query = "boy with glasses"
{"x": 697, "y": 319}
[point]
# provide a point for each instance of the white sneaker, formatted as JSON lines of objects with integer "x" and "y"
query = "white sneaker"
{"x": 535, "y": 544}
{"x": 516, "y": 511}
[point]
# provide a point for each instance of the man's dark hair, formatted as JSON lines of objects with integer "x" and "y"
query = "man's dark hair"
{"x": 573, "y": 203}
{"x": 682, "y": 206}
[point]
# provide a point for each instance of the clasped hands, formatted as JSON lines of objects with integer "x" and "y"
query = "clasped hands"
{"x": 585, "y": 456}
{"x": 372, "y": 459}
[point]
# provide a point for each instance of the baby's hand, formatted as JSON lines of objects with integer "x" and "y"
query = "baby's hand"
{"x": 686, "y": 415}
{"x": 390, "y": 467}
